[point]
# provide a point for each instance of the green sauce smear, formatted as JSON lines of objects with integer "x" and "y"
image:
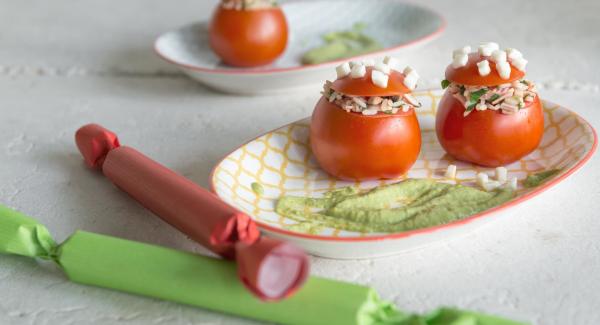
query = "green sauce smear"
{"x": 537, "y": 179}
{"x": 257, "y": 188}
{"x": 342, "y": 44}
{"x": 407, "y": 205}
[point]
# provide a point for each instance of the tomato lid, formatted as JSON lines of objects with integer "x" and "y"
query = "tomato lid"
{"x": 365, "y": 87}
{"x": 469, "y": 74}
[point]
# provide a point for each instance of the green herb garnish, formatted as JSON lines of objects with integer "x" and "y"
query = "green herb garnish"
{"x": 475, "y": 96}
{"x": 445, "y": 84}
{"x": 494, "y": 97}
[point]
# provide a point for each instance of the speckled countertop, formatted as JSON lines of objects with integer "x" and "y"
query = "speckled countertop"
{"x": 65, "y": 63}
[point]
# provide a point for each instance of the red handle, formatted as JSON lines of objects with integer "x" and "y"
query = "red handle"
{"x": 270, "y": 268}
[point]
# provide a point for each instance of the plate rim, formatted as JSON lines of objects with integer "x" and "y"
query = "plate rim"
{"x": 311, "y": 67}
{"x": 393, "y": 236}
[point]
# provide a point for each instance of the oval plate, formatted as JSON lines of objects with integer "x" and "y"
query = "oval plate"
{"x": 397, "y": 25}
{"x": 282, "y": 162}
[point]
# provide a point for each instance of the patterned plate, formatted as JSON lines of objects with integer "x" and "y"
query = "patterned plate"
{"x": 397, "y": 25}
{"x": 282, "y": 162}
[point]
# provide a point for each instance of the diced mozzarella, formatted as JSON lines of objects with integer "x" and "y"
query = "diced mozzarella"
{"x": 503, "y": 69}
{"x": 514, "y": 54}
{"x": 464, "y": 50}
{"x": 410, "y": 81}
{"x": 392, "y": 62}
{"x": 413, "y": 73}
{"x": 501, "y": 174}
{"x": 498, "y": 56}
{"x": 493, "y": 45}
{"x": 382, "y": 67}
{"x": 407, "y": 70}
{"x": 451, "y": 172}
{"x": 481, "y": 107}
{"x": 519, "y": 63}
{"x": 491, "y": 185}
{"x": 460, "y": 61}
{"x": 484, "y": 68}
{"x": 482, "y": 178}
{"x": 343, "y": 70}
{"x": 379, "y": 79}
{"x": 358, "y": 71}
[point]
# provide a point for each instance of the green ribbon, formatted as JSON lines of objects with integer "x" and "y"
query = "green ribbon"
{"x": 207, "y": 282}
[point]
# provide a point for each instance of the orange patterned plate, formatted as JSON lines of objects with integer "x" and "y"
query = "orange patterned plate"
{"x": 281, "y": 161}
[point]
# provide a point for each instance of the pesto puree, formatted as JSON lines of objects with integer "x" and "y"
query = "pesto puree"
{"x": 407, "y": 205}
{"x": 342, "y": 44}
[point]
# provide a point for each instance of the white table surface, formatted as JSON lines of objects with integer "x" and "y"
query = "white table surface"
{"x": 65, "y": 63}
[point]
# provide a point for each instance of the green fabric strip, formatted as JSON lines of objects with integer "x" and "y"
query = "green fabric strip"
{"x": 207, "y": 282}
{"x": 24, "y": 236}
{"x": 203, "y": 281}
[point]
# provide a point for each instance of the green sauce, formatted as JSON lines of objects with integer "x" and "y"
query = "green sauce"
{"x": 408, "y": 205}
{"x": 342, "y": 44}
{"x": 257, "y": 188}
{"x": 537, "y": 179}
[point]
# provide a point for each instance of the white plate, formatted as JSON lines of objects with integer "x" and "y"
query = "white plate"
{"x": 282, "y": 162}
{"x": 398, "y": 26}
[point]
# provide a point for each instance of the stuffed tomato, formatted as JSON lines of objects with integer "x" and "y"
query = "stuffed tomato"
{"x": 248, "y": 33}
{"x": 364, "y": 126}
{"x": 490, "y": 114}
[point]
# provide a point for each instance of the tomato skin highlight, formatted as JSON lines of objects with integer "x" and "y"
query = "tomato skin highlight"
{"x": 352, "y": 146}
{"x": 488, "y": 138}
{"x": 248, "y": 38}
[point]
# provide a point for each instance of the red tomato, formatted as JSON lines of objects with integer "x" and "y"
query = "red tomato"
{"x": 353, "y": 146}
{"x": 248, "y": 38}
{"x": 489, "y": 138}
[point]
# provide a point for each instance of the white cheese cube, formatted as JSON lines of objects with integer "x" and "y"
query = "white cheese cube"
{"x": 464, "y": 50}
{"x": 343, "y": 70}
{"x": 358, "y": 71}
{"x": 414, "y": 74}
{"x": 451, "y": 172}
{"x": 392, "y": 62}
{"x": 514, "y": 53}
{"x": 407, "y": 70}
{"x": 379, "y": 79}
{"x": 520, "y": 63}
{"x": 501, "y": 174}
{"x": 382, "y": 67}
{"x": 503, "y": 69}
{"x": 498, "y": 56}
{"x": 491, "y": 185}
{"x": 492, "y": 45}
{"x": 355, "y": 63}
{"x": 482, "y": 178}
{"x": 410, "y": 81}
{"x": 484, "y": 68}
{"x": 485, "y": 50}
{"x": 460, "y": 61}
